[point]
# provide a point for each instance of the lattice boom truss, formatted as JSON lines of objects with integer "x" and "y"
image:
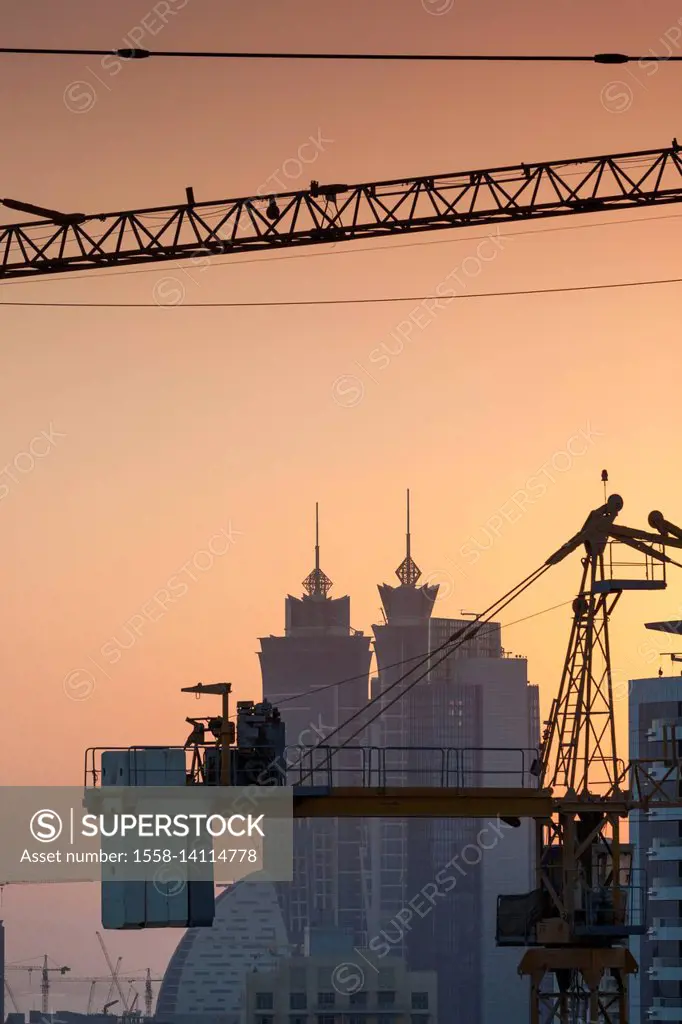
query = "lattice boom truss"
{"x": 334, "y": 213}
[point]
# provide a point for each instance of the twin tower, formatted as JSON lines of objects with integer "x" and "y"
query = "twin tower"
{"x": 359, "y": 875}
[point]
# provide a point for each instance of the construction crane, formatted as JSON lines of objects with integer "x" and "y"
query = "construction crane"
{"x": 149, "y": 994}
{"x": 131, "y": 980}
{"x": 45, "y": 972}
{"x": 114, "y": 972}
{"x": 4, "y": 884}
{"x": 324, "y": 214}
{"x": 583, "y": 909}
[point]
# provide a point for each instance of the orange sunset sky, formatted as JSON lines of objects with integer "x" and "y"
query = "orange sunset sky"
{"x": 172, "y": 424}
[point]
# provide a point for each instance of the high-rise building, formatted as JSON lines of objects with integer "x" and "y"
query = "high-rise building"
{"x": 476, "y": 699}
{"x": 655, "y": 713}
{"x": 300, "y": 671}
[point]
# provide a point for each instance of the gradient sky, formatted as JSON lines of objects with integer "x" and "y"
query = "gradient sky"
{"x": 179, "y": 423}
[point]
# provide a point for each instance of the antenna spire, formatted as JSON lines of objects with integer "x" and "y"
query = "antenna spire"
{"x": 408, "y": 572}
{"x": 317, "y": 537}
{"x": 316, "y": 584}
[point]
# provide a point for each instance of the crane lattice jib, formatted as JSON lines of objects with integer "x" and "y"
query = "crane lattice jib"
{"x": 338, "y": 212}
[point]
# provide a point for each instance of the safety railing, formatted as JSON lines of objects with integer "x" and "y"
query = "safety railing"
{"x": 609, "y": 912}
{"x": 325, "y": 765}
{"x": 614, "y": 911}
{"x": 444, "y": 767}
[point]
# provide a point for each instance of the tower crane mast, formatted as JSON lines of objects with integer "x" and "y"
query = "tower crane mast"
{"x": 585, "y": 905}
{"x": 324, "y": 214}
{"x": 45, "y": 971}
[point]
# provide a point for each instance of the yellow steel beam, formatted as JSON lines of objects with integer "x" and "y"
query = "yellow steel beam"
{"x": 432, "y": 802}
{"x": 422, "y": 802}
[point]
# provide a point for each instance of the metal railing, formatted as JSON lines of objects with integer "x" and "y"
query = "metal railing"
{"x": 614, "y": 910}
{"x": 443, "y": 767}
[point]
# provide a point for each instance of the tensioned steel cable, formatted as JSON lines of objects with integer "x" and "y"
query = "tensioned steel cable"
{"x": 405, "y": 661}
{"x": 458, "y": 638}
{"x": 451, "y": 646}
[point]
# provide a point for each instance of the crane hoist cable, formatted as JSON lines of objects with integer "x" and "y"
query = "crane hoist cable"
{"x": 423, "y": 655}
{"x": 416, "y": 657}
{"x": 459, "y": 637}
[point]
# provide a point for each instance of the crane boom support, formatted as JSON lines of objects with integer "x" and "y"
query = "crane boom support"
{"x": 334, "y": 213}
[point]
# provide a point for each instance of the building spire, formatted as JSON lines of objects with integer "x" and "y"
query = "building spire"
{"x": 316, "y": 584}
{"x": 408, "y": 572}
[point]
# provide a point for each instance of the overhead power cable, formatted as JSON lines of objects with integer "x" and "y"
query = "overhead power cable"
{"x": 140, "y": 54}
{"x": 374, "y": 300}
{"x": 456, "y": 640}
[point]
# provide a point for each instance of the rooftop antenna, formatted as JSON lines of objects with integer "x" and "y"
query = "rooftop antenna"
{"x": 317, "y": 584}
{"x": 408, "y": 572}
{"x": 605, "y": 480}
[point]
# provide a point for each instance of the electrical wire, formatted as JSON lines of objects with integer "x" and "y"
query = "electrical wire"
{"x": 139, "y": 54}
{"x": 375, "y": 300}
{"x": 456, "y": 640}
{"x": 405, "y": 661}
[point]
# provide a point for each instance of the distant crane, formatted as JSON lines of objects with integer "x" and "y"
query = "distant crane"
{"x": 114, "y": 973}
{"x": 148, "y": 995}
{"x": 3, "y": 884}
{"x": 45, "y": 972}
{"x": 133, "y": 978}
{"x": 112, "y": 979}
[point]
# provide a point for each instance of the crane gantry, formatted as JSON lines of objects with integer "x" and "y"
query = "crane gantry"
{"x": 324, "y": 214}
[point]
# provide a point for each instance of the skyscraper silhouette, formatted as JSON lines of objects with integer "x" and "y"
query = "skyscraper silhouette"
{"x": 300, "y": 669}
{"x": 474, "y": 700}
